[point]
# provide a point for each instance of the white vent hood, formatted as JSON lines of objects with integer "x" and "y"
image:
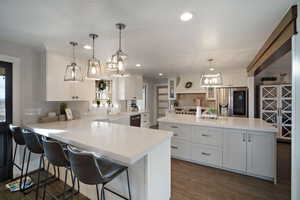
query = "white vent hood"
{"x": 196, "y": 87}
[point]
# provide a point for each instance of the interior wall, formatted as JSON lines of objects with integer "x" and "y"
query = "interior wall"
{"x": 31, "y": 102}
{"x": 296, "y": 114}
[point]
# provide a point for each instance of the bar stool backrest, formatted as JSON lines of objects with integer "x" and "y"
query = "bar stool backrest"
{"x": 17, "y": 134}
{"x": 84, "y": 166}
{"x": 55, "y": 153}
{"x": 32, "y": 141}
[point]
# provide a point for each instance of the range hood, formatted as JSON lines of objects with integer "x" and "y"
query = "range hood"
{"x": 195, "y": 88}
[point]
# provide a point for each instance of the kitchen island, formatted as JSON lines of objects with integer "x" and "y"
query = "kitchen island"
{"x": 242, "y": 145}
{"x": 140, "y": 149}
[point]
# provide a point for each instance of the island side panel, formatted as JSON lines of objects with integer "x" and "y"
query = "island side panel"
{"x": 158, "y": 169}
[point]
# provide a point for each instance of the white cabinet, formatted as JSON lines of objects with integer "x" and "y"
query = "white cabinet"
{"x": 171, "y": 88}
{"x": 234, "y": 151}
{"x": 206, "y": 155}
{"x": 261, "y": 154}
{"x": 56, "y": 89}
{"x": 211, "y": 94}
{"x": 242, "y": 151}
{"x": 130, "y": 87}
{"x": 145, "y": 120}
{"x": 180, "y": 149}
{"x": 250, "y": 152}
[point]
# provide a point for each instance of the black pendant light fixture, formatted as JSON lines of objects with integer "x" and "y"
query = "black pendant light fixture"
{"x": 94, "y": 66}
{"x": 73, "y": 71}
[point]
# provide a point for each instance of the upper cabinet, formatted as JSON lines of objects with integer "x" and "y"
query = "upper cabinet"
{"x": 130, "y": 87}
{"x": 56, "y": 89}
{"x": 171, "y": 88}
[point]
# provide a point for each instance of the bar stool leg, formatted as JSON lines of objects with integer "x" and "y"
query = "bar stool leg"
{"x": 22, "y": 167}
{"x": 44, "y": 191}
{"x": 129, "y": 192}
{"x": 26, "y": 172}
{"x": 98, "y": 193}
{"x": 38, "y": 181}
{"x": 14, "y": 158}
{"x": 65, "y": 184}
{"x": 102, "y": 192}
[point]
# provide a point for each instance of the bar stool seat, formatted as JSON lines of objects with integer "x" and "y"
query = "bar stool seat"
{"x": 109, "y": 169}
{"x": 92, "y": 170}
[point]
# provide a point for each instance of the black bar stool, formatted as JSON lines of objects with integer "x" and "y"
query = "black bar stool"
{"x": 57, "y": 156}
{"x": 94, "y": 171}
{"x": 33, "y": 144}
{"x": 19, "y": 141}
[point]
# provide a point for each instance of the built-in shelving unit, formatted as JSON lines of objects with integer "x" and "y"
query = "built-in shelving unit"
{"x": 276, "y": 108}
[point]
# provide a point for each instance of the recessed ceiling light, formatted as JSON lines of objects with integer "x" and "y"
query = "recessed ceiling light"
{"x": 211, "y": 69}
{"x": 87, "y": 47}
{"x": 160, "y": 74}
{"x": 186, "y": 16}
{"x": 138, "y": 65}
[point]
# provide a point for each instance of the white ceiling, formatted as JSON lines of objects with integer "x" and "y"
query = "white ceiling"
{"x": 230, "y": 31}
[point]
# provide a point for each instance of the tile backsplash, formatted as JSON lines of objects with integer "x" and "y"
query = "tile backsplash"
{"x": 191, "y": 100}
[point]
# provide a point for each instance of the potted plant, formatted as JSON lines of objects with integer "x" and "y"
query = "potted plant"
{"x": 98, "y": 103}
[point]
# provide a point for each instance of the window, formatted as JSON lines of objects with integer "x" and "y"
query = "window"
{"x": 103, "y": 92}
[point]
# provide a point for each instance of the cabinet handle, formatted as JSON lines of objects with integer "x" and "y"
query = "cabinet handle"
{"x": 175, "y": 134}
{"x": 174, "y": 126}
{"x": 205, "y": 135}
{"x": 249, "y": 138}
{"x": 205, "y": 154}
{"x": 244, "y": 137}
{"x": 174, "y": 147}
{"x": 73, "y": 97}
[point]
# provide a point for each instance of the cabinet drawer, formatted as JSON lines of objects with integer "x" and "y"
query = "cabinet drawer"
{"x": 179, "y": 131}
{"x": 201, "y": 153}
{"x": 208, "y": 136}
{"x": 180, "y": 149}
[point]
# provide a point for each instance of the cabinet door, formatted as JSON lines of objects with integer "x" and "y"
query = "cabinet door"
{"x": 261, "y": 154}
{"x": 171, "y": 89}
{"x": 56, "y": 88}
{"x": 181, "y": 149}
{"x": 234, "y": 150}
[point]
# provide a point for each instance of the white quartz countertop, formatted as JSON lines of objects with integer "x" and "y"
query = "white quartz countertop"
{"x": 222, "y": 122}
{"x": 119, "y": 142}
{"x": 113, "y": 116}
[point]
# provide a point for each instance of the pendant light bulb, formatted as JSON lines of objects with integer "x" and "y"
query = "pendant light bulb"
{"x": 94, "y": 65}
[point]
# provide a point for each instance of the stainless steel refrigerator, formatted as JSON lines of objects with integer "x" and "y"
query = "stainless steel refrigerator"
{"x": 232, "y": 101}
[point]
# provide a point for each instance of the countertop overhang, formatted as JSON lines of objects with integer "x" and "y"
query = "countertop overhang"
{"x": 251, "y": 124}
{"x": 121, "y": 143}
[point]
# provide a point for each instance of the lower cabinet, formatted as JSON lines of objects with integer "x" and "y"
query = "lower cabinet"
{"x": 234, "y": 150}
{"x": 206, "y": 155}
{"x": 261, "y": 154}
{"x": 247, "y": 152}
{"x": 180, "y": 149}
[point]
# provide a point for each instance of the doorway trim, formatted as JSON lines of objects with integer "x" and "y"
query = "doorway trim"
{"x": 16, "y": 86}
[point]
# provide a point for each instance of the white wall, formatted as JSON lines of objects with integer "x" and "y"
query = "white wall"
{"x": 30, "y": 88}
{"x": 296, "y": 114}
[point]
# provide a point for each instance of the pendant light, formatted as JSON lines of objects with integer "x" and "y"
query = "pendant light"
{"x": 211, "y": 80}
{"x": 117, "y": 61}
{"x": 94, "y": 66}
{"x": 73, "y": 71}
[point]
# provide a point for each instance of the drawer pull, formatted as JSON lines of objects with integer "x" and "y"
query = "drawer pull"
{"x": 174, "y": 147}
{"x": 205, "y": 135}
{"x": 205, "y": 154}
{"x": 174, "y": 126}
{"x": 175, "y": 134}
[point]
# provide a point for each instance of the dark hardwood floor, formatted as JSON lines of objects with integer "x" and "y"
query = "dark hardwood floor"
{"x": 195, "y": 182}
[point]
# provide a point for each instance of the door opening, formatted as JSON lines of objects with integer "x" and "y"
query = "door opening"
{"x": 6, "y": 171}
